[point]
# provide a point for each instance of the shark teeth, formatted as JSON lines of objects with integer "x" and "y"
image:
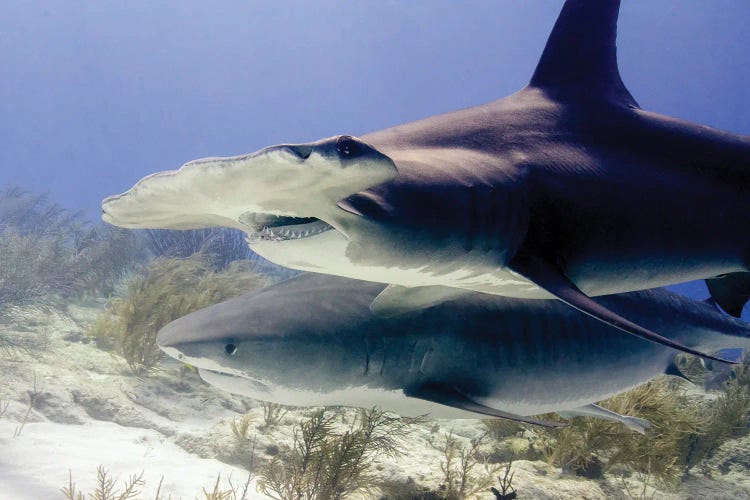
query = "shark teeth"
{"x": 291, "y": 232}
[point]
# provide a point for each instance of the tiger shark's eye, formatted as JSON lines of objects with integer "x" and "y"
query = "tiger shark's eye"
{"x": 230, "y": 349}
{"x": 347, "y": 146}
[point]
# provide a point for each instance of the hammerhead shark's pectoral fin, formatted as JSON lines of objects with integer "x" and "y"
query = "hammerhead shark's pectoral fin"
{"x": 445, "y": 394}
{"x": 549, "y": 278}
{"x": 637, "y": 424}
{"x": 397, "y": 299}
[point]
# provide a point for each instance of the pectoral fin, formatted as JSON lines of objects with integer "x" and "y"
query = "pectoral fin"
{"x": 397, "y": 299}
{"x": 637, "y": 424}
{"x": 447, "y": 395}
{"x": 675, "y": 371}
{"x": 547, "y": 277}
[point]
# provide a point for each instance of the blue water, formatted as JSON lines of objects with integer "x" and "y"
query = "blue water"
{"x": 96, "y": 94}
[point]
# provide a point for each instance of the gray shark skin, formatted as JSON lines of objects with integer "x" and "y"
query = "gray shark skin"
{"x": 313, "y": 341}
{"x": 564, "y": 189}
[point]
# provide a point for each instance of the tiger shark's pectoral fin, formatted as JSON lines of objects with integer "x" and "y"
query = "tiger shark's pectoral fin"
{"x": 674, "y": 371}
{"x": 447, "y": 395}
{"x": 397, "y": 299}
{"x": 549, "y": 278}
{"x": 637, "y": 424}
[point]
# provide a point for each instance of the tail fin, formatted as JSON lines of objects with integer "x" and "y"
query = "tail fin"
{"x": 730, "y": 291}
{"x": 639, "y": 425}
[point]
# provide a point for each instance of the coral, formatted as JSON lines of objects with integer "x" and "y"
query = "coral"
{"x": 458, "y": 467}
{"x": 500, "y": 428}
{"x": 33, "y": 396}
{"x": 272, "y": 413}
{"x": 217, "y": 493}
{"x": 244, "y": 449}
{"x": 323, "y": 464}
{"x": 49, "y": 252}
{"x": 170, "y": 289}
{"x": 506, "y": 491}
{"x": 218, "y": 246}
{"x": 34, "y": 214}
{"x": 103, "y": 256}
{"x": 588, "y": 444}
{"x": 727, "y": 417}
{"x": 240, "y": 427}
{"x": 105, "y": 489}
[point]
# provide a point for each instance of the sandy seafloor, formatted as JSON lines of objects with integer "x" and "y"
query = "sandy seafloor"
{"x": 89, "y": 410}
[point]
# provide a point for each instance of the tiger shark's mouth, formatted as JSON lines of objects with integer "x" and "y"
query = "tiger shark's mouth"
{"x": 281, "y": 228}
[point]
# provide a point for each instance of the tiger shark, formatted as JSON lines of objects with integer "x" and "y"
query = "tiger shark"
{"x": 313, "y": 341}
{"x": 566, "y": 189}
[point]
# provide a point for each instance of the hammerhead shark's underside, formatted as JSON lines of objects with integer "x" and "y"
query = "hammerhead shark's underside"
{"x": 564, "y": 189}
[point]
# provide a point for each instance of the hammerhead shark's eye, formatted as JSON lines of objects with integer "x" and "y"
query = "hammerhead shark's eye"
{"x": 230, "y": 349}
{"x": 347, "y": 146}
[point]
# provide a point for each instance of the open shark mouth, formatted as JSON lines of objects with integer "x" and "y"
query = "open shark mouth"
{"x": 281, "y": 228}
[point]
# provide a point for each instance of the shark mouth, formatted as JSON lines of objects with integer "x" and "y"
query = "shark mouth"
{"x": 236, "y": 384}
{"x": 281, "y": 228}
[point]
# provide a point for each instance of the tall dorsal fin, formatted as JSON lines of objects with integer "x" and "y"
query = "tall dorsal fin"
{"x": 581, "y": 56}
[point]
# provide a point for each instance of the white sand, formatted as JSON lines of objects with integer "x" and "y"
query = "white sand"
{"x": 89, "y": 410}
{"x": 36, "y": 465}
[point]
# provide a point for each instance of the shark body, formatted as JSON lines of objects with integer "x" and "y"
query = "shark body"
{"x": 313, "y": 341}
{"x": 565, "y": 189}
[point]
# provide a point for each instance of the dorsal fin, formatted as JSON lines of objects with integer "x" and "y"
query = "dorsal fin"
{"x": 580, "y": 57}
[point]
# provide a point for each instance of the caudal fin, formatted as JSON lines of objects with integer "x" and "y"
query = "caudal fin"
{"x": 637, "y": 424}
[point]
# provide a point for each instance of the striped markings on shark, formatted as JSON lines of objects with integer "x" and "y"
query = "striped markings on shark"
{"x": 313, "y": 341}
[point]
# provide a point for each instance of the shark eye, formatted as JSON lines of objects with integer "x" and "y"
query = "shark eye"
{"x": 347, "y": 146}
{"x": 230, "y": 349}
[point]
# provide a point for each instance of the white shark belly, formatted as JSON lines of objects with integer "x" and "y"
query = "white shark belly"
{"x": 360, "y": 397}
{"x": 327, "y": 253}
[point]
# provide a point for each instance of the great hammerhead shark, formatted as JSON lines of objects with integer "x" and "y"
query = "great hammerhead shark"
{"x": 565, "y": 189}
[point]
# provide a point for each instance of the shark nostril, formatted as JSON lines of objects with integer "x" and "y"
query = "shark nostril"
{"x": 301, "y": 150}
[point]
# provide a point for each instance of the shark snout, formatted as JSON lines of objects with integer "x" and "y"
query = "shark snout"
{"x": 289, "y": 180}
{"x": 168, "y": 336}
{"x": 167, "y": 339}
